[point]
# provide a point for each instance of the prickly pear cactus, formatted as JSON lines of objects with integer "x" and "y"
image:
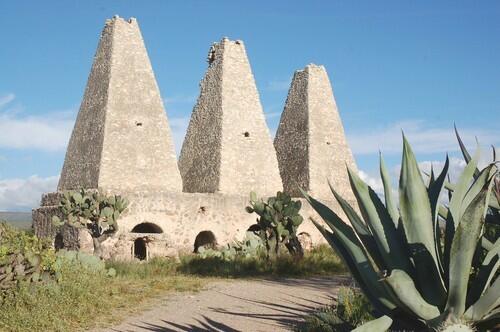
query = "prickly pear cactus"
{"x": 23, "y": 258}
{"x": 93, "y": 211}
{"x": 278, "y": 221}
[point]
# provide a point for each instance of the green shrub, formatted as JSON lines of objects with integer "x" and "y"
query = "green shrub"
{"x": 320, "y": 260}
{"x": 154, "y": 268}
{"x": 351, "y": 309}
{"x": 23, "y": 259}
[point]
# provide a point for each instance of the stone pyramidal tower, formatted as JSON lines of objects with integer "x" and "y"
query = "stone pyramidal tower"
{"x": 121, "y": 140}
{"x": 310, "y": 140}
{"x": 228, "y": 147}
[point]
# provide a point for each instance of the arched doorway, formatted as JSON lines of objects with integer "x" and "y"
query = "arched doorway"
{"x": 59, "y": 242}
{"x": 205, "y": 239}
{"x": 140, "y": 249}
{"x": 147, "y": 227}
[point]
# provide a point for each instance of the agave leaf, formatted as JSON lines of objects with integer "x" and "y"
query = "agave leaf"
{"x": 390, "y": 204}
{"x": 380, "y": 324}
{"x": 465, "y": 153}
{"x": 417, "y": 219}
{"x": 332, "y": 219}
{"x": 462, "y": 251}
{"x": 489, "y": 322}
{"x": 443, "y": 211}
{"x": 434, "y": 192}
{"x": 494, "y": 203}
{"x": 404, "y": 287}
{"x": 361, "y": 229}
{"x": 485, "y": 175}
{"x": 486, "y": 303}
{"x": 388, "y": 240}
{"x": 357, "y": 261}
{"x": 456, "y": 207}
{"x": 494, "y": 251}
{"x": 483, "y": 279}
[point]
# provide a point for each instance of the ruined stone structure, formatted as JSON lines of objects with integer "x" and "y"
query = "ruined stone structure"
{"x": 121, "y": 144}
{"x": 121, "y": 139}
{"x": 310, "y": 141}
{"x": 228, "y": 148}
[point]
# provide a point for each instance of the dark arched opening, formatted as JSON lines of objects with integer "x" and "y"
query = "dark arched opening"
{"x": 205, "y": 239}
{"x": 59, "y": 242}
{"x": 140, "y": 250}
{"x": 147, "y": 227}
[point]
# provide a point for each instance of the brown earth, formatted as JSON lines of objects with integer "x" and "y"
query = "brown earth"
{"x": 238, "y": 305}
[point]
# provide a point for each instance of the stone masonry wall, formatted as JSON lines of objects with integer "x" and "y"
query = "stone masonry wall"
{"x": 181, "y": 216}
{"x": 83, "y": 155}
{"x": 228, "y": 147}
{"x": 292, "y": 139}
{"x": 310, "y": 141}
{"x": 121, "y": 139}
{"x": 199, "y": 161}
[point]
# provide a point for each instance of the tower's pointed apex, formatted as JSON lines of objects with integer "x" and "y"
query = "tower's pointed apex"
{"x": 121, "y": 139}
{"x": 228, "y": 147}
{"x": 310, "y": 141}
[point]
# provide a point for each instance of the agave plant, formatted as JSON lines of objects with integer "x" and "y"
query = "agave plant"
{"x": 492, "y": 219}
{"x": 414, "y": 262}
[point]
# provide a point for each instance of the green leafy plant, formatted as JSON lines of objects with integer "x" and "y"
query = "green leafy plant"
{"x": 250, "y": 246}
{"x": 414, "y": 263}
{"x": 23, "y": 258}
{"x": 492, "y": 219}
{"x": 93, "y": 211}
{"x": 278, "y": 222}
{"x": 350, "y": 310}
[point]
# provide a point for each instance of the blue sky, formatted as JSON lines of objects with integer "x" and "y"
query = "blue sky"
{"x": 417, "y": 66}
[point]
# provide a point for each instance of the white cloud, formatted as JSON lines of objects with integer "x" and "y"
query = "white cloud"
{"x": 48, "y": 133}
{"x": 375, "y": 182}
{"x": 6, "y": 99}
{"x": 455, "y": 168}
{"x": 423, "y": 138}
{"x": 25, "y": 194}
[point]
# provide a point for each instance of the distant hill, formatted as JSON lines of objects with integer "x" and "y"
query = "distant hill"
{"x": 17, "y": 219}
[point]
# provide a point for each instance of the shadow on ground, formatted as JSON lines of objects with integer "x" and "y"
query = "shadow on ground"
{"x": 287, "y": 313}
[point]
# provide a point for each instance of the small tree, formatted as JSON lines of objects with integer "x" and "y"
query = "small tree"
{"x": 95, "y": 212}
{"x": 278, "y": 221}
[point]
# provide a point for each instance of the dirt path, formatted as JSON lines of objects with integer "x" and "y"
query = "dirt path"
{"x": 238, "y": 305}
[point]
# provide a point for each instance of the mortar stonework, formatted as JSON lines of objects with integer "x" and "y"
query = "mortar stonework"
{"x": 121, "y": 144}
{"x": 181, "y": 216}
{"x": 228, "y": 122}
{"x": 121, "y": 118}
{"x": 310, "y": 141}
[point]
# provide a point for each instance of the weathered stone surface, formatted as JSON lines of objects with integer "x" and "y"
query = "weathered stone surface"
{"x": 121, "y": 139}
{"x": 310, "y": 141}
{"x": 121, "y": 144}
{"x": 228, "y": 148}
{"x": 181, "y": 216}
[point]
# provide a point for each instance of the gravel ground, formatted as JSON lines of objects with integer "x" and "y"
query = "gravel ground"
{"x": 237, "y": 305}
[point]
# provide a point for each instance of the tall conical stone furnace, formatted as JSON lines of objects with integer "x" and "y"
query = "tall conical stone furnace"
{"x": 228, "y": 148}
{"x": 121, "y": 139}
{"x": 310, "y": 141}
